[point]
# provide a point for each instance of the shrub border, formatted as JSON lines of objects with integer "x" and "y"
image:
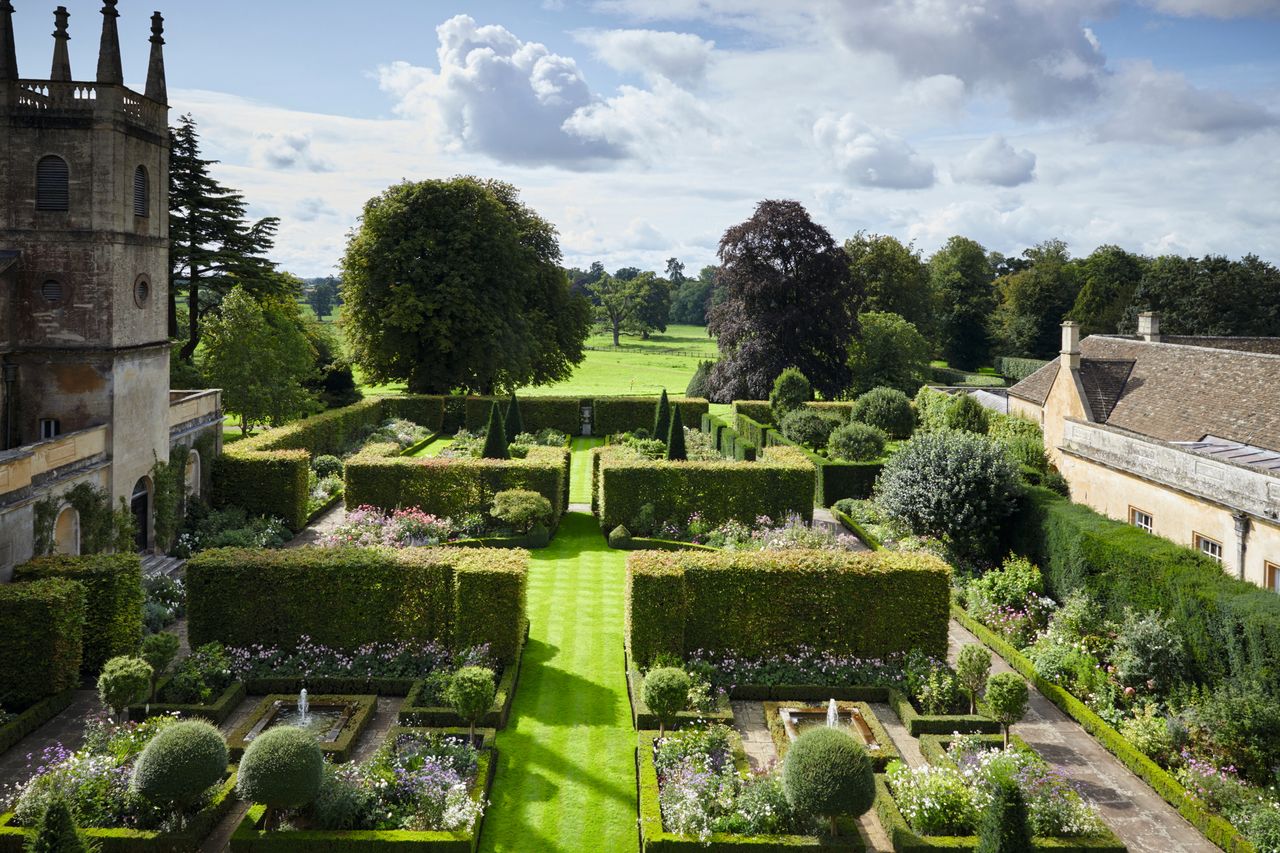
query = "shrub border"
{"x": 833, "y": 479}
{"x": 215, "y": 712}
{"x": 1217, "y": 829}
{"x": 413, "y": 715}
{"x": 338, "y": 750}
{"x": 655, "y": 839}
{"x": 642, "y": 719}
{"x": 34, "y": 717}
{"x": 781, "y": 743}
{"x": 13, "y": 839}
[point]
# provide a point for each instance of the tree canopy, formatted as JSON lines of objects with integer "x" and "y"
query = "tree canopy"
{"x": 892, "y": 276}
{"x": 789, "y": 301}
{"x": 961, "y": 278}
{"x": 456, "y": 285}
{"x": 889, "y": 352}
{"x": 1034, "y": 300}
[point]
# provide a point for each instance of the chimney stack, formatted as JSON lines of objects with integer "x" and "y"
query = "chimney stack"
{"x": 1149, "y": 327}
{"x": 1071, "y": 345}
{"x": 156, "y": 89}
{"x": 61, "y": 62}
{"x": 109, "y": 70}
{"x": 8, "y": 47}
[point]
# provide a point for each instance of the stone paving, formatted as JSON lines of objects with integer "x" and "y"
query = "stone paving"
{"x": 323, "y": 525}
{"x": 1142, "y": 820}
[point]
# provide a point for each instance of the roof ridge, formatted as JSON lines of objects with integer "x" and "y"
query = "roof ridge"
{"x": 1245, "y": 352}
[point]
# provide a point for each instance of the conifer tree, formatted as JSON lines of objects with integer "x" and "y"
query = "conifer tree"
{"x": 56, "y": 832}
{"x": 675, "y": 438}
{"x": 662, "y": 418}
{"x": 495, "y": 440}
{"x": 513, "y": 422}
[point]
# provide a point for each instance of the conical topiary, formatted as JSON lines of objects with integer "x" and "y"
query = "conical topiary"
{"x": 56, "y": 832}
{"x": 675, "y": 437}
{"x": 662, "y": 418}
{"x": 1004, "y": 827}
{"x": 513, "y": 423}
{"x": 495, "y": 440}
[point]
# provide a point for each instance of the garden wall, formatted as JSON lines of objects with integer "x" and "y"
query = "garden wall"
{"x": 448, "y": 487}
{"x": 346, "y": 597}
{"x": 779, "y": 484}
{"x": 41, "y": 632}
{"x": 758, "y": 603}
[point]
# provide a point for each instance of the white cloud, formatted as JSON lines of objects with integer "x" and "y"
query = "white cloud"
{"x": 1146, "y": 104}
{"x": 646, "y": 122}
{"x": 1214, "y": 8}
{"x": 500, "y": 96}
{"x": 871, "y": 156}
{"x": 311, "y": 208}
{"x": 288, "y": 150}
{"x": 994, "y": 161}
{"x": 681, "y": 58}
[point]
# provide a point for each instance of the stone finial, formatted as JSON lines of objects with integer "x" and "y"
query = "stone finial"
{"x": 156, "y": 88}
{"x": 61, "y": 61}
{"x": 8, "y": 47}
{"x": 109, "y": 70}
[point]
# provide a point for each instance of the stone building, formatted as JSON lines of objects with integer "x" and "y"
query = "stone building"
{"x": 1178, "y": 435}
{"x": 84, "y": 268}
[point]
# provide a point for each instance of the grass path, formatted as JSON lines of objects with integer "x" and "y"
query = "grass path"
{"x": 580, "y": 469}
{"x": 566, "y": 765}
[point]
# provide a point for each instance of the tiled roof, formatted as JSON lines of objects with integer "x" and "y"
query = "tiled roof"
{"x": 1175, "y": 391}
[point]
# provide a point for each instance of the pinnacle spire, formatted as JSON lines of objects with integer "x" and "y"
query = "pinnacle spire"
{"x": 109, "y": 70}
{"x": 61, "y": 61}
{"x": 156, "y": 88}
{"x": 8, "y": 48}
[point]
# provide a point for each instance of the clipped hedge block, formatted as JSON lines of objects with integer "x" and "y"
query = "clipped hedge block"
{"x": 759, "y": 603}
{"x": 834, "y": 479}
{"x": 112, "y": 602}
{"x": 42, "y": 627}
{"x": 613, "y": 415}
{"x": 537, "y": 413}
{"x": 346, "y": 597}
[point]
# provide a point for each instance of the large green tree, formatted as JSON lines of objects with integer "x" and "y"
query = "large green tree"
{"x": 960, "y": 275}
{"x": 212, "y": 245}
{"x": 616, "y": 302}
{"x": 654, "y": 308}
{"x": 789, "y": 302}
{"x": 1108, "y": 279}
{"x": 1033, "y": 302}
{"x": 457, "y": 285}
{"x": 260, "y": 358}
{"x": 691, "y": 297}
{"x": 893, "y": 277}
{"x": 1212, "y": 295}
{"x": 889, "y": 351}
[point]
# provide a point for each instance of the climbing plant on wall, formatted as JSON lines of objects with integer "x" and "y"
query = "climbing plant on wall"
{"x": 168, "y": 488}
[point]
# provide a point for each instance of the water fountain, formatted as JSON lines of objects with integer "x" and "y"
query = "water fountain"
{"x": 304, "y": 706}
{"x": 833, "y": 714}
{"x": 797, "y": 719}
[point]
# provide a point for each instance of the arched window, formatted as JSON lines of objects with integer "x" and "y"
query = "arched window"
{"x": 141, "y": 192}
{"x": 140, "y": 506}
{"x": 52, "y": 182}
{"x": 66, "y": 532}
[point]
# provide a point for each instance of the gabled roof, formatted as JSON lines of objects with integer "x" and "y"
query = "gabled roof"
{"x": 1175, "y": 391}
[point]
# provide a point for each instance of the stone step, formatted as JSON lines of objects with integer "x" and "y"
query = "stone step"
{"x": 157, "y": 565}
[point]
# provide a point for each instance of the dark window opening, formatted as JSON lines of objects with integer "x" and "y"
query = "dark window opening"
{"x": 141, "y": 193}
{"x": 50, "y": 428}
{"x": 52, "y": 184}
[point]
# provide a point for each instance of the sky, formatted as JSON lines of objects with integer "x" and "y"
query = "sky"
{"x": 644, "y": 128}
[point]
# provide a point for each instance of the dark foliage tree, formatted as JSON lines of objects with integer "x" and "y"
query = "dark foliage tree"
{"x": 456, "y": 285}
{"x": 1108, "y": 279}
{"x": 789, "y": 301}
{"x": 675, "y": 437}
{"x": 675, "y": 272}
{"x": 662, "y": 417}
{"x": 961, "y": 277}
{"x": 213, "y": 247}
{"x": 627, "y": 273}
{"x": 495, "y": 437}
{"x": 513, "y": 423}
{"x": 691, "y": 299}
{"x": 333, "y": 382}
{"x": 892, "y": 276}
{"x": 580, "y": 281}
{"x": 1210, "y": 296}
{"x": 1034, "y": 301}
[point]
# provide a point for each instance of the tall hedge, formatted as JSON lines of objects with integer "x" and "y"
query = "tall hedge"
{"x": 537, "y": 413}
{"x": 346, "y": 597}
{"x": 113, "y": 600}
{"x": 449, "y": 487}
{"x": 779, "y": 484}
{"x": 613, "y": 415}
{"x": 1231, "y": 628}
{"x": 761, "y": 412}
{"x": 771, "y": 602}
{"x": 834, "y": 479}
{"x": 42, "y": 625}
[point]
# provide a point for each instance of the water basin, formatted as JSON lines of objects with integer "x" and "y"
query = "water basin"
{"x": 324, "y": 721}
{"x": 797, "y": 720}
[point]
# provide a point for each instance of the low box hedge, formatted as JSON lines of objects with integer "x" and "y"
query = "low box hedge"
{"x": 655, "y": 839}
{"x": 758, "y": 603}
{"x": 33, "y": 718}
{"x": 41, "y": 632}
{"x": 642, "y": 718}
{"x": 778, "y": 485}
{"x": 1215, "y": 828}
{"x": 113, "y": 601}
{"x": 536, "y": 413}
{"x": 346, "y": 597}
{"x": 450, "y": 487}
{"x": 249, "y": 837}
{"x": 880, "y": 757}
{"x": 13, "y": 839}
{"x": 906, "y": 840}
{"x": 614, "y": 415}
{"x": 415, "y": 712}
{"x": 215, "y": 712}
{"x": 919, "y": 724}
{"x": 337, "y": 750}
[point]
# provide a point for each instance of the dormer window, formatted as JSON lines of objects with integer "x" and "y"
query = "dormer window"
{"x": 52, "y": 184}
{"x": 141, "y": 192}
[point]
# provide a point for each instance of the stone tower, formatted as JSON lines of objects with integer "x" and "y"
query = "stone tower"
{"x": 84, "y": 256}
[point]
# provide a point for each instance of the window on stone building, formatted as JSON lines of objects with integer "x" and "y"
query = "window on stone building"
{"x": 1208, "y": 547}
{"x": 1140, "y": 518}
{"x": 1273, "y": 576}
{"x": 51, "y": 292}
{"x": 141, "y": 192}
{"x": 50, "y": 428}
{"x": 52, "y": 184}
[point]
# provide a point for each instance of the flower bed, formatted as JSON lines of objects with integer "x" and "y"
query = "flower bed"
{"x": 94, "y": 781}
{"x": 939, "y": 805}
{"x": 368, "y": 526}
{"x": 706, "y": 704}
{"x": 338, "y": 749}
{"x": 424, "y": 706}
{"x": 423, "y": 791}
{"x": 696, "y": 794}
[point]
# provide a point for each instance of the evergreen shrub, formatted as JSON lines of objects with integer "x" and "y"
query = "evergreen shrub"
{"x": 829, "y": 774}
{"x": 857, "y": 442}
{"x": 42, "y": 633}
{"x": 180, "y": 763}
{"x": 887, "y": 409}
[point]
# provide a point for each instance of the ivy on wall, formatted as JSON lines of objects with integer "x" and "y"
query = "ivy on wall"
{"x": 168, "y": 490}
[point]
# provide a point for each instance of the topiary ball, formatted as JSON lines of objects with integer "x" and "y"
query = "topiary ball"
{"x": 887, "y": 409}
{"x": 282, "y": 768}
{"x": 856, "y": 442}
{"x": 828, "y": 773}
{"x": 666, "y": 692}
{"x": 470, "y": 692}
{"x": 180, "y": 763}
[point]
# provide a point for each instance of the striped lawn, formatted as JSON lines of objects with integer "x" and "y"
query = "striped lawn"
{"x": 566, "y": 766}
{"x": 580, "y": 470}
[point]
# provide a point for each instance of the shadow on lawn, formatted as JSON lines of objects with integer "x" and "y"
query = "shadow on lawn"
{"x": 556, "y": 697}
